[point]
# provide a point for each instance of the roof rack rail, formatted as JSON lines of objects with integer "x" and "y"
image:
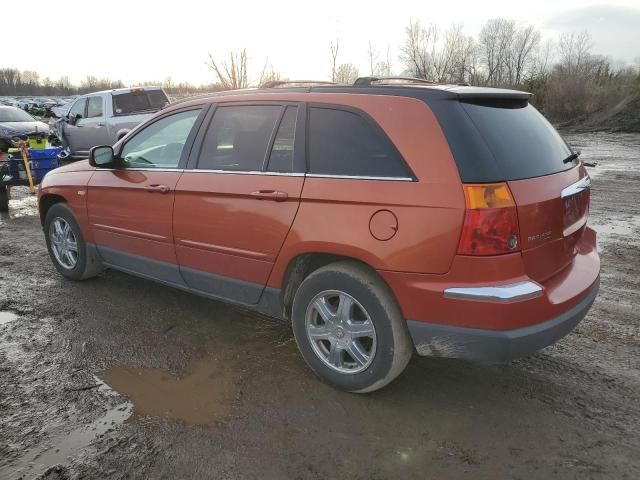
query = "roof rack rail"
{"x": 301, "y": 83}
{"x": 368, "y": 81}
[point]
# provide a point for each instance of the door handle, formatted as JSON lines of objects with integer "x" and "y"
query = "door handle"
{"x": 100, "y": 124}
{"x": 156, "y": 188}
{"x": 274, "y": 195}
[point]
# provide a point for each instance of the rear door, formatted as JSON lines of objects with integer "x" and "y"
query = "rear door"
{"x": 236, "y": 203}
{"x": 550, "y": 188}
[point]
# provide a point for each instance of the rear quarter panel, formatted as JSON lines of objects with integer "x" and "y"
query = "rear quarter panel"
{"x": 335, "y": 214}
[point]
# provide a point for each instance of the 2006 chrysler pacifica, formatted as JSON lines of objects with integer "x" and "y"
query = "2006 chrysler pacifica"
{"x": 379, "y": 218}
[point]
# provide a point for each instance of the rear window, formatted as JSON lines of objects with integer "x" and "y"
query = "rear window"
{"x": 12, "y": 114}
{"x": 523, "y": 143}
{"x": 142, "y": 101}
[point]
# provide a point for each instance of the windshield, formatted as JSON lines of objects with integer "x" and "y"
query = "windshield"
{"x": 139, "y": 101}
{"x": 523, "y": 143}
{"x": 14, "y": 115}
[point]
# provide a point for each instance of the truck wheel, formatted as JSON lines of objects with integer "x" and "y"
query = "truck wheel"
{"x": 4, "y": 198}
{"x": 67, "y": 248}
{"x": 349, "y": 328}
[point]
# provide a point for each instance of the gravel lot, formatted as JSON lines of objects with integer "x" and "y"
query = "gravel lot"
{"x": 119, "y": 377}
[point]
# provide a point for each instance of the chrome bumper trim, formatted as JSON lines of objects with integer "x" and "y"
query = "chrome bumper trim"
{"x": 513, "y": 292}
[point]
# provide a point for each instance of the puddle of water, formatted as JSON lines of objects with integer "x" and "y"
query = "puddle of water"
{"x": 202, "y": 396}
{"x": 60, "y": 448}
{"x": 6, "y": 317}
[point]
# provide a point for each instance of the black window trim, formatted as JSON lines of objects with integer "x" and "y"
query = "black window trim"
{"x": 377, "y": 129}
{"x": 189, "y": 142}
{"x": 299, "y": 160}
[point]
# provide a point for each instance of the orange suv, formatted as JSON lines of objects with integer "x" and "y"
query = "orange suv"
{"x": 382, "y": 218}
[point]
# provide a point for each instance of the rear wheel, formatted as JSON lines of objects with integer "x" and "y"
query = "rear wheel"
{"x": 66, "y": 245}
{"x": 349, "y": 328}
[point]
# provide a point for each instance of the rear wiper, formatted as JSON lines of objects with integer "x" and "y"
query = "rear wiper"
{"x": 574, "y": 156}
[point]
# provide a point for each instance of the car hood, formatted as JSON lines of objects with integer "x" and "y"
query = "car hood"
{"x": 23, "y": 128}
{"x": 80, "y": 166}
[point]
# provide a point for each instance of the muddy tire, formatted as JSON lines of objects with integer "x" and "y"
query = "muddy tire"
{"x": 349, "y": 328}
{"x": 4, "y": 198}
{"x": 66, "y": 245}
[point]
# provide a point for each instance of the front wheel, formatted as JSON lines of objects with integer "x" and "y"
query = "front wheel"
{"x": 349, "y": 328}
{"x": 66, "y": 245}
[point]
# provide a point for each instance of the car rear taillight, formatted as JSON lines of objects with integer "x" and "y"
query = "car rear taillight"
{"x": 490, "y": 220}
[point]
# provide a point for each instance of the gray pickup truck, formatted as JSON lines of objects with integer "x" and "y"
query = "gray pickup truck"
{"x": 103, "y": 118}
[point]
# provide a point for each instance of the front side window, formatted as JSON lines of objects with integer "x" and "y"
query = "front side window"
{"x": 160, "y": 145}
{"x": 238, "y": 137}
{"x": 344, "y": 143}
{"x": 78, "y": 107}
{"x": 94, "y": 107}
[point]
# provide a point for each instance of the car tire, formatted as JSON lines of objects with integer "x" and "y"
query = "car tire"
{"x": 345, "y": 351}
{"x": 65, "y": 243}
{"x": 4, "y": 198}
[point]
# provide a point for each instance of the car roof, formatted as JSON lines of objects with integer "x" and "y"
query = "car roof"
{"x": 398, "y": 89}
{"x": 119, "y": 91}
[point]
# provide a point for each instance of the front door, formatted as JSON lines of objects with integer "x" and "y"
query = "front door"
{"x": 131, "y": 207}
{"x": 234, "y": 209}
{"x": 73, "y": 132}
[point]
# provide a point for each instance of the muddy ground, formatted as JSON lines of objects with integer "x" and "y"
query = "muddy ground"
{"x": 119, "y": 377}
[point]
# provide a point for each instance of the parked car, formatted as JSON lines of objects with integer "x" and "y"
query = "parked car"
{"x": 15, "y": 122}
{"x": 380, "y": 219}
{"x": 103, "y": 118}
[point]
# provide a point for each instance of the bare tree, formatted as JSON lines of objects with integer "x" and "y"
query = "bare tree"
{"x": 574, "y": 49}
{"x": 346, "y": 73}
{"x": 383, "y": 68}
{"x": 269, "y": 74}
{"x": 232, "y": 75}
{"x": 334, "y": 58}
{"x": 372, "y": 54}
{"x": 496, "y": 39}
{"x": 418, "y": 49}
{"x": 524, "y": 47}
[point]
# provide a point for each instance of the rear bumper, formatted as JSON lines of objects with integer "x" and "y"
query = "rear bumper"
{"x": 495, "y": 346}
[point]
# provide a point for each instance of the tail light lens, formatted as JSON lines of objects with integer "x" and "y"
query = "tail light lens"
{"x": 490, "y": 221}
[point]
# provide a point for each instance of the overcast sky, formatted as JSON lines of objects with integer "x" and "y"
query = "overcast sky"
{"x": 135, "y": 40}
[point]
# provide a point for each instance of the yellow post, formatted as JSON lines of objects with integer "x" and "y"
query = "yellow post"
{"x": 27, "y": 167}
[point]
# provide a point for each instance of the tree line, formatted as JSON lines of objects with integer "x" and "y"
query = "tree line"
{"x": 14, "y": 82}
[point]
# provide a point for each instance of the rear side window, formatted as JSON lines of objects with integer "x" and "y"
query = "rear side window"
{"x": 238, "y": 137}
{"x": 139, "y": 101}
{"x": 523, "y": 143}
{"x": 94, "y": 107}
{"x": 344, "y": 143}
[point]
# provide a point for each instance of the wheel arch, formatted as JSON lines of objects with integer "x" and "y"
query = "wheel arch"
{"x": 304, "y": 264}
{"x": 47, "y": 201}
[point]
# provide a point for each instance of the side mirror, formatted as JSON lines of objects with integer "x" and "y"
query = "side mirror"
{"x": 73, "y": 119}
{"x": 101, "y": 156}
